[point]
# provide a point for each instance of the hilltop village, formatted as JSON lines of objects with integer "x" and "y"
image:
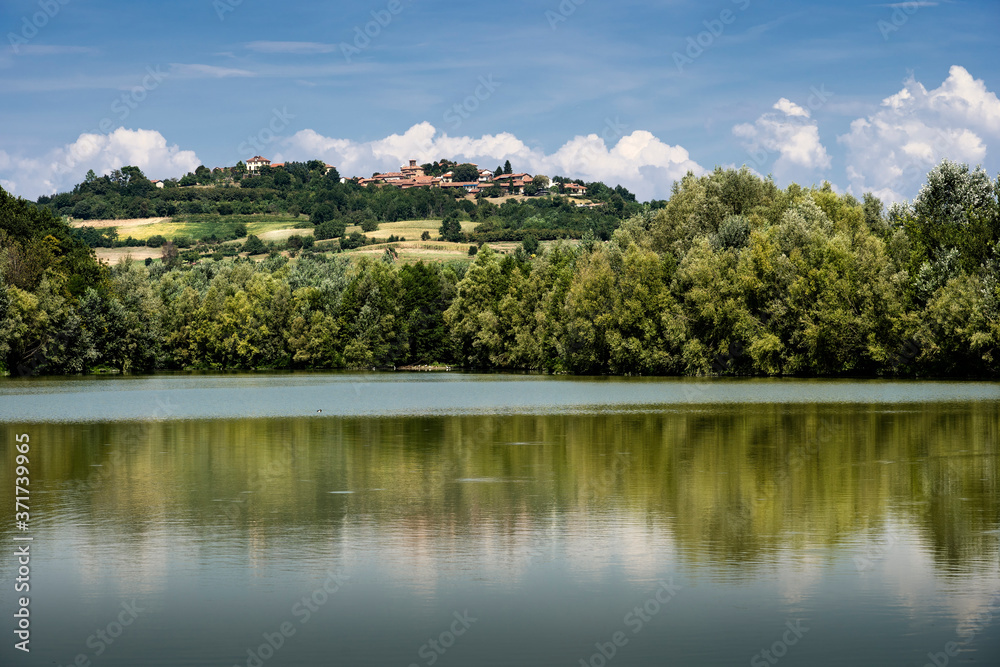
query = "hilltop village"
{"x": 467, "y": 176}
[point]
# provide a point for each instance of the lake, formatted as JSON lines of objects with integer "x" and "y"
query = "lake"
{"x": 461, "y": 519}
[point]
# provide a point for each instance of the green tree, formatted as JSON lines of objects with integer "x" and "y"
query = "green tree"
{"x": 451, "y": 229}
{"x": 254, "y": 246}
{"x": 530, "y": 244}
{"x": 329, "y": 230}
{"x": 321, "y": 214}
{"x": 466, "y": 173}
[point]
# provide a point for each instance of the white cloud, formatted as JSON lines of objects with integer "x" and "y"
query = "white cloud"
{"x": 891, "y": 151}
{"x": 790, "y": 108}
{"x": 639, "y": 161}
{"x": 790, "y": 132}
{"x": 207, "y": 71}
{"x": 292, "y": 47}
{"x": 64, "y": 167}
{"x": 52, "y": 50}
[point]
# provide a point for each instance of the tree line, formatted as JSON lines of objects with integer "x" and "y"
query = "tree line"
{"x": 312, "y": 190}
{"x": 731, "y": 276}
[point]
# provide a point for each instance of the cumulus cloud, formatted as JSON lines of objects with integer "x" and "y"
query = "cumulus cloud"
{"x": 64, "y": 167}
{"x": 790, "y": 108}
{"x": 891, "y": 151}
{"x": 640, "y": 161}
{"x": 789, "y": 132}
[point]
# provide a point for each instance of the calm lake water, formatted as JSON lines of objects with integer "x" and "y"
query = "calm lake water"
{"x": 504, "y": 520}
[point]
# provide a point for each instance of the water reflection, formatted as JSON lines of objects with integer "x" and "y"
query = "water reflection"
{"x": 727, "y": 487}
{"x": 876, "y": 523}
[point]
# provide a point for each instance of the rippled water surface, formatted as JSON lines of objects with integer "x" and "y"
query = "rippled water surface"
{"x": 505, "y": 520}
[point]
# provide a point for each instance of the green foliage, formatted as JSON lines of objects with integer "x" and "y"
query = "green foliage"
{"x": 330, "y": 229}
{"x": 734, "y": 232}
{"x": 353, "y": 241}
{"x": 731, "y": 276}
{"x": 530, "y": 244}
{"x": 451, "y": 229}
{"x": 465, "y": 173}
{"x": 254, "y": 246}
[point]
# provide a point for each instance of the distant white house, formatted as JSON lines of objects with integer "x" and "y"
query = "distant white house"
{"x": 255, "y": 163}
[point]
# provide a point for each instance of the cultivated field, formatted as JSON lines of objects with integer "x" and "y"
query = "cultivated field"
{"x": 195, "y": 227}
{"x": 278, "y": 228}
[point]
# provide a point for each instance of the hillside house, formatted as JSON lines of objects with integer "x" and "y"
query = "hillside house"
{"x": 513, "y": 183}
{"x": 412, "y": 170}
{"x": 255, "y": 164}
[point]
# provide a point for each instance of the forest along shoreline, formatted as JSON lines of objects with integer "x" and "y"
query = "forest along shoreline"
{"x": 731, "y": 276}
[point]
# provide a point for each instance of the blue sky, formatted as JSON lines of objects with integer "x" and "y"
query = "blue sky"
{"x": 866, "y": 95}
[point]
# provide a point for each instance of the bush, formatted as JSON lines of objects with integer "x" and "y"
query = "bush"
{"x": 155, "y": 241}
{"x": 183, "y": 241}
{"x": 473, "y": 250}
{"x": 321, "y": 214}
{"x": 254, "y": 246}
{"x": 240, "y": 230}
{"x": 734, "y": 232}
{"x": 530, "y": 244}
{"x": 225, "y": 208}
{"x": 451, "y": 229}
{"x": 355, "y": 240}
{"x": 425, "y": 236}
{"x": 329, "y": 230}
{"x": 295, "y": 242}
{"x": 369, "y": 226}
